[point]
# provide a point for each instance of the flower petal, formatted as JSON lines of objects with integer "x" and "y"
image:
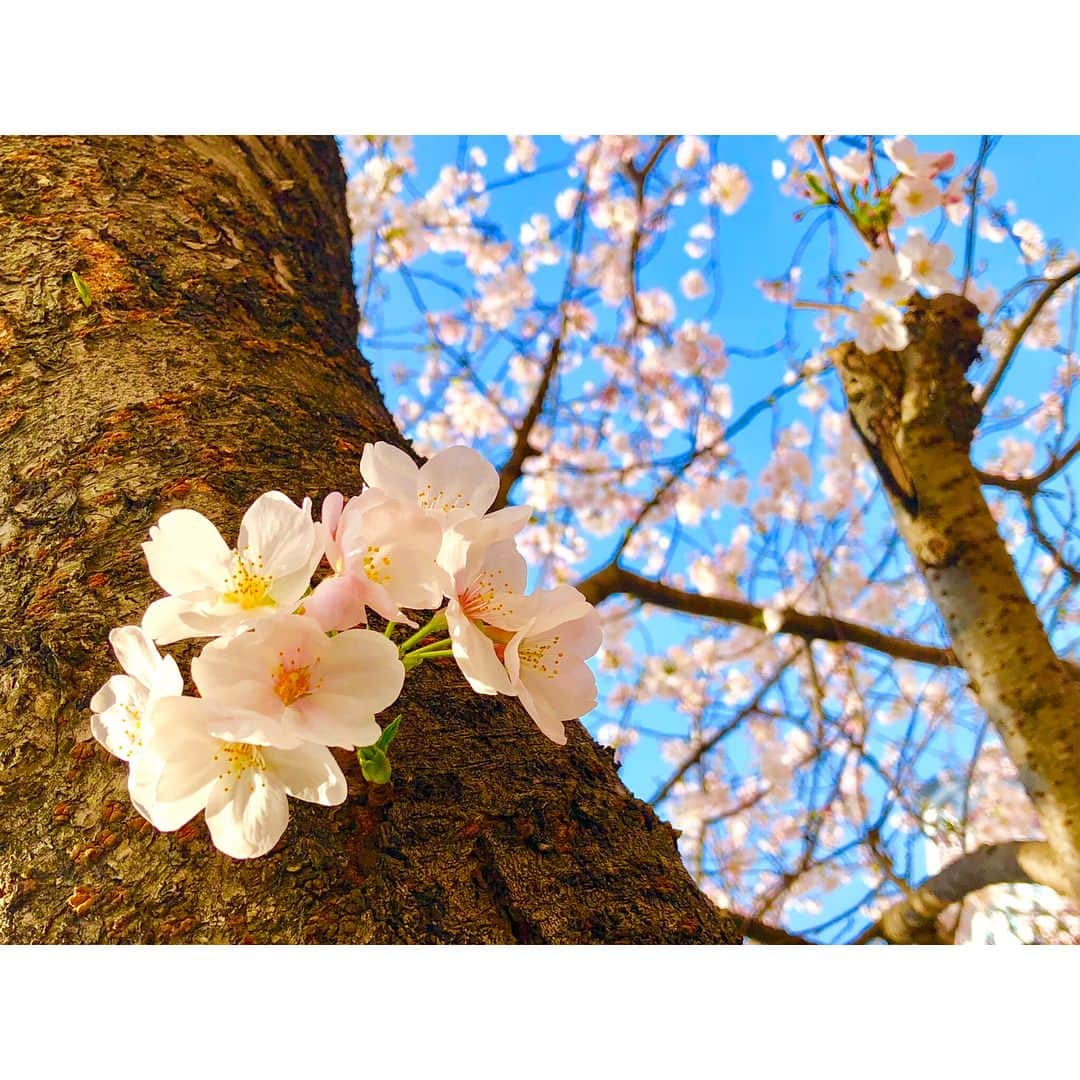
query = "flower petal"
{"x": 457, "y": 482}
{"x": 238, "y": 671}
{"x": 164, "y": 619}
{"x": 182, "y": 740}
{"x": 186, "y": 553}
{"x": 337, "y": 603}
{"x": 551, "y": 701}
{"x": 364, "y": 667}
{"x": 284, "y": 544}
{"x": 144, "y": 774}
{"x": 390, "y": 470}
{"x": 233, "y": 724}
{"x": 247, "y": 814}
{"x": 475, "y": 654}
{"x": 331, "y": 720}
{"x": 135, "y": 651}
{"x": 310, "y": 773}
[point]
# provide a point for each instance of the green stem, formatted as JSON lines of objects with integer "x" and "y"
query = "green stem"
{"x": 437, "y": 623}
{"x": 444, "y": 643}
{"x": 415, "y": 659}
{"x": 389, "y": 629}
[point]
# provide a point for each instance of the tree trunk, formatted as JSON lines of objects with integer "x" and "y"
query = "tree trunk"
{"x": 915, "y": 413}
{"x": 217, "y": 360}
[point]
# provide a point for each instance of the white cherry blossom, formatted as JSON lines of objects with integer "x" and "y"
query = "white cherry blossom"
{"x": 928, "y": 264}
{"x": 853, "y": 168}
{"x": 691, "y": 151}
{"x": 215, "y": 590}
{"x": 456, "y": 483}
{"x": 884, "y": 278}
{"x": 908, "y": 161}
{"x": 122, "y": 708}
{"x": 383, "y": 552}
{"x": 728, "y": 188}
{"x": 916, "y": 195}
{"x": 877, "y": 326}
{"x": 242, "y": 787}
{"x": 486, "y": 595}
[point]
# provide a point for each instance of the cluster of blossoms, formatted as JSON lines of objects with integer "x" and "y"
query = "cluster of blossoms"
{"x": 891, "y": 276}
{"x": 293, "y": 670}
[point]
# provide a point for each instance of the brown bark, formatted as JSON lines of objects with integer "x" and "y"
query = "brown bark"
{"x": 915, "y": 413}
{"x": 216, "y": 361}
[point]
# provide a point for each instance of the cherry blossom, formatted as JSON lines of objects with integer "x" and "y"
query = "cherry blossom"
{"x": 884, "y": 279}
{"x": 214, "y": 590}
{"x": 122, "y": 708}
{"x": 285, "y": 682}
{"x": 545, "y": 659}
{"x": 728, "y": 188}
{"x": 242, "y": 787}
{"x": 693, "y": 285}
{"x": 853, "y": 168}
{"x": 1032, "y": 245}
{"x": 928, "y": 264}
{"x": 910, "y": 162}
{"x": 486, "y": 596}
{"x": 382, "y": 552}
{"x": 877, "y": 326}
{"x": 915, "y": 196}
{"x": 691, "y": 151}
{"x": 453, "y": 484}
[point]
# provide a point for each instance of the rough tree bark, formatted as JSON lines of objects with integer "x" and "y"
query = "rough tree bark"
{"x": 915, "y": 413}
{"x": 217, "y": 360}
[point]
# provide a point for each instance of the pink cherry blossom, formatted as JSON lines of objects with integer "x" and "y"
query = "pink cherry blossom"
{"x": 383, "y": 553}
{"x": 285, "y": 682}
{"x": 545, "y": 659}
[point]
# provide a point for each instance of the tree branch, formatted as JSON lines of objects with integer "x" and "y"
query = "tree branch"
{"x": 765, "y": 933}
{"x": 613, "y": 579}
{"x": 913, "y": 921}
{"x": 1029, "y": 485}
{"x": 1021, "y": 328}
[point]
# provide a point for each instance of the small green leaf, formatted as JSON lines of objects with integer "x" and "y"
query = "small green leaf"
{"x": 374, "y": 764}
{"x": 82, "y": 289}
{"x": 814, "y": 184}
{"x": 387, "y": 737}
